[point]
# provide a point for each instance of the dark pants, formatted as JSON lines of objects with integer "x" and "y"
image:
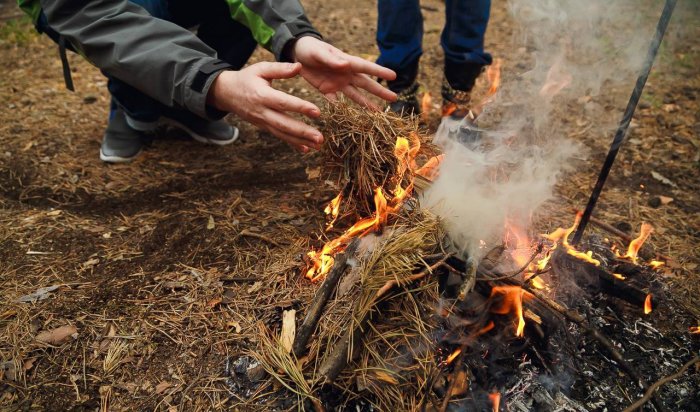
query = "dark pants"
{"x": 232, "y": 41}
{"x": 400, "y": 38}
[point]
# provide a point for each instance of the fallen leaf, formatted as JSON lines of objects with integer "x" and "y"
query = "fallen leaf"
{"x": 386, "y": 377}
{"x": 54, "y": 212}
{"x": 289, "y": 329}
{"x": 313, "y": 173}
{"x": 162, "y": 387}
{"x": 235, "y": 325}
{"x": 28, "y": 364}
{"x": 665, "y": 200}
{"x": 214, "y": 303}
{"x": 39, "y": 294}
{"x": 255, "y": 287}
{"x": 210, "y": 223}
{"x": 57, "y": 336}
{"x": 661, "y": 178}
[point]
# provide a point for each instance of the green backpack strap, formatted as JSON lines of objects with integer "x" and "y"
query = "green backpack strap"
{"x": 30, "y": 7}
{"x": 33, "y": 9}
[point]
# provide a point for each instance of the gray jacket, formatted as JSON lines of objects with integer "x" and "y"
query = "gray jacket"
{"x": 159, "y": 58}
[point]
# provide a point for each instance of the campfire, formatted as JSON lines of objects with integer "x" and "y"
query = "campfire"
{"x": 402, "y": 320}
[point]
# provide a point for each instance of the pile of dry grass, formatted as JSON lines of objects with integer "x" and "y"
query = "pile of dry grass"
{"x": 359, "y": 151}
{"x": 395, "y": 360}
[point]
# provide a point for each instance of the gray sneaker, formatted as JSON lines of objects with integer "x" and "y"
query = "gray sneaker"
{"x": 121, "y": 143}
{"x": 217, "y": 132}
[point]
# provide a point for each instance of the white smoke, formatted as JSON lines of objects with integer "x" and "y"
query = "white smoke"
{"x": 576, "y": 54}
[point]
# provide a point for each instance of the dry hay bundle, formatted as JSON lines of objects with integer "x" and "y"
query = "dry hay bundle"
{"x": 359, "y": 152}
{"x": 392, "y": 366}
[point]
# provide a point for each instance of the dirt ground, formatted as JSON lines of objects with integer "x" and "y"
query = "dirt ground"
{"x": 166, "y": 265}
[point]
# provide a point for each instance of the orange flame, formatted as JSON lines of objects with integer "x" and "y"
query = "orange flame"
{"x": 425, "y": 105}
{"x": 453, "y": 356}
{"x": 332, "y": 210}
{"x": 647, "y": 305}
{"x": 406, "y": 152}
{"x": 495, "y": 399}
{"x": 655, "y": 264}
{"x": 637, "y": 243}
{"x": 512, "y": 302}
{"x": 493, "y": 74}
{"x": 694, "y": 329}
{"x": 619, "y": 276}
{"x": 486, "y": 328}
{"x": 562, "y": 235}
{"x": 430, "y": 169}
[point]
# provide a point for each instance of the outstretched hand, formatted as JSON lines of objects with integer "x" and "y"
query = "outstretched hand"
{"x": 249, "y": 94}
{"x": 331, "y": 70}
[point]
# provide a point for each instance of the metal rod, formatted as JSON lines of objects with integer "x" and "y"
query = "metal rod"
{"x": 626, "y": 117}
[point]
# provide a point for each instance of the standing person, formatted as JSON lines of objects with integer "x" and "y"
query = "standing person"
{"x": 400, "y": 38}
{"x": 160, "y": 71}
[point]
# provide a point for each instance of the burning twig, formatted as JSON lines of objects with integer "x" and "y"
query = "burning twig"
{"x": 323, "y": 293}
{"x": 653, "y": 388}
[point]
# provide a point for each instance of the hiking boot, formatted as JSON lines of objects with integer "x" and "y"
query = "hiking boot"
{"x": 406, "y": 103}
{"x": 456, "y": 107}
{"x": 120, "y": 143}
{"x": 217, "y": 132}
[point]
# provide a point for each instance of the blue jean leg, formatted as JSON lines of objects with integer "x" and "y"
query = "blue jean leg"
{"x": 462, "y": 40}
{"x": 399, "y": 33}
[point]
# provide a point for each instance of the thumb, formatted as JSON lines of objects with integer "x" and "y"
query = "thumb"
{"x": 271, "y": 71}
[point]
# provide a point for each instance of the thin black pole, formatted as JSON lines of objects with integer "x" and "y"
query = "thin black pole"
{"x": 626, "y": 117}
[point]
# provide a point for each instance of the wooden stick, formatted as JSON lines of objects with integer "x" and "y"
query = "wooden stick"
{"x": 650, "y": 392}
{"x": 617, "y": 232}
{"x": 313, "y": 314}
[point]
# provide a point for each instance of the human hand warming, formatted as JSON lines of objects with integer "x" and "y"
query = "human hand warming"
{"x": 331, "y": 70}
{"x": 249, "y": 94}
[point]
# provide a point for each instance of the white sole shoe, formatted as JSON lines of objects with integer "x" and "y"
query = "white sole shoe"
{"x": 198, "y": 137}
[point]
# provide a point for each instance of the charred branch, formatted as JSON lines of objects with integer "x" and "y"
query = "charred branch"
{"x": 324, "y": 292}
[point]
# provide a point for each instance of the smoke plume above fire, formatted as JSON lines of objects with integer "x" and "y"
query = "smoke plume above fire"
{"x": 568, "y": 60}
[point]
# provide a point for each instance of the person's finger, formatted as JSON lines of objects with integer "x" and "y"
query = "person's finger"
{"x": 306, "y": 134}
{"x": 356, "y": 96}
{"x": 271, "y": 71}
{"x": 284, "y": 102}
{"x": 298, "y": 147}
{"x": 299, "y": 144}
{"x": 332, "y": 96}
{"x": 365, "y": 82}
{"x": 332, "y": 57}
{"x": 360, "y": 65}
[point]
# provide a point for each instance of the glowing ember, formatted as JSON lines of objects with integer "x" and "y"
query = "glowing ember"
{"x": 655, "y": 264}
{"x": 453, "y": 356}
{"x": 512, "y": 302}
{"x": 425, "y": 105}
{"x": 647, "y": 305}
{"x": 619, "y": 276}
{"x": 637, "y": 243}
{"x": 495, "y": 399}
{"x": 332, "y": 210}
{"x": 694, "y": 329}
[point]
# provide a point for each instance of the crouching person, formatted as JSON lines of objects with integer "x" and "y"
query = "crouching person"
{"x": 160, "y": 72}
